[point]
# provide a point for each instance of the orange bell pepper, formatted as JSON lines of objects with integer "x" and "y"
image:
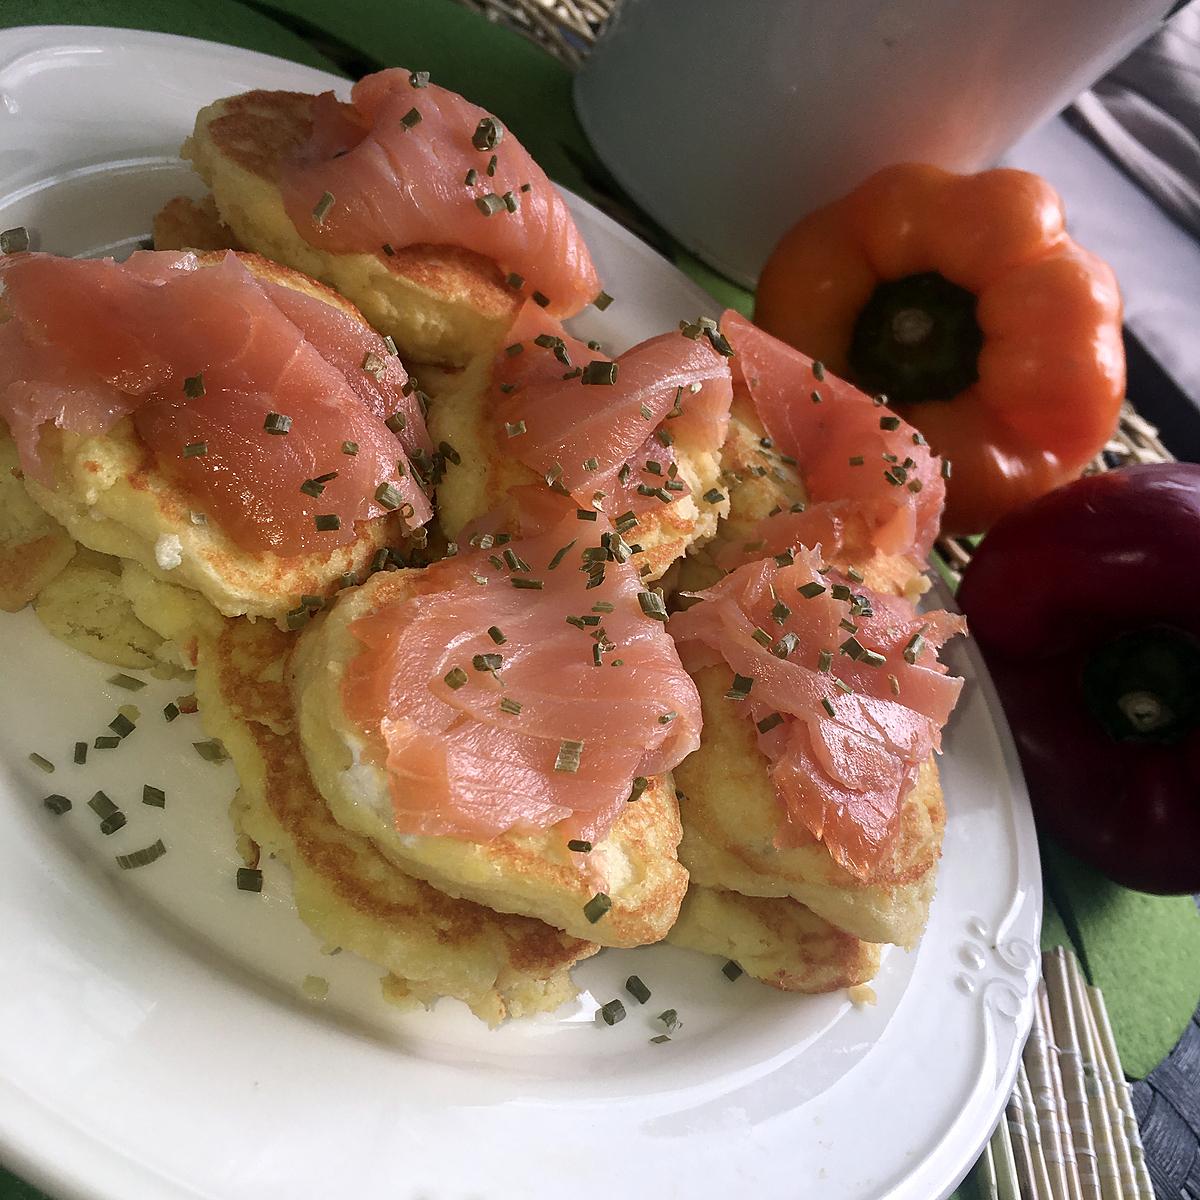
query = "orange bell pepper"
{"x": 961, "y": 298}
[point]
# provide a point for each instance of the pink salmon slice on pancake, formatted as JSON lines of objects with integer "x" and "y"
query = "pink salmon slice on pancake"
{"x": 527, "y": 684}
{"x": 243, "y": 391}
{"x": 843, "y": 685}
{"x": 406, "y": 165}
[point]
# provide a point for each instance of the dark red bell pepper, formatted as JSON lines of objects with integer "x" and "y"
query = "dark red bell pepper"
{"x": 1086, "y": 605}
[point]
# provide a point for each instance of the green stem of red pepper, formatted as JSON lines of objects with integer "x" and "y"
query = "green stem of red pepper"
{"x": 1145, "y": 686}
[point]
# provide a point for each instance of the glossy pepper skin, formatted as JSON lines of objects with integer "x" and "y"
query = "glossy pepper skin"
{"x": 963, "y": 299}
{"x": 1086, "y": 605}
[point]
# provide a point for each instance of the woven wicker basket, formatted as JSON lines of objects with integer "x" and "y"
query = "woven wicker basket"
{"x": 568, "y": 28}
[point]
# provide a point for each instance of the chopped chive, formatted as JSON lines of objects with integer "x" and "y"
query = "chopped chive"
{"x": 713, "y": 496}
{"x": 121, "y": 725}
{"x": 511, "y": 201}
{"x": 827, "y": 705}
{"x": 349, "y": 447}
{"x": 489, "y": 133}
{"x": 497, "y": 635}
{"x": 560, "y": 554}
{"x": 852, "y": 648}
{"x": 894, "y": 684}
{"x": 659, "y": 1038}
{"x": 411, "y": 119}
{"x": 106, "y": 742}
{"x": 513, "y": 350}
{"x": 249, "y": 879}
{"x": 389, "y": 249}
{"x": 569, "y": 755}
{"x": 389, "y": 496}
{"x": 889, "y": 423}
{"x": 193, "y": 386}
{"x": 171, "y": 711}
{"x": 612, "y": 1012}
{"x": 143, "y": 857}
{"x": 277, "y": 423}
{"x": 585, "y": 514}
{"x": 490, "y": 204}
{"x": 769, "y": 722}
{"x": 913, "y": 650}
{"x": 515, "y": 281}
{"x": 112, "y": 823}
{"x": 785, "y": 646}
{"x": 101, "y": 805}
{"x": 532, "y": 585}
{"x": 514, "y": 428}
{"x": 854, "y": 574}
{"x": 857, "y": 460}
{"x": 640, "y": 784}
{"x": 780, "y": 612}
{"x": 213, "y": 750}
{"x": 455, "y": 678}
{"x": 418, "y": 79}
{"x": 603, "y": 606}
{"x": 848, "y": 626}
{"x": 312, "y": 487}
{"x": 915, "y": 485}
{"x": 508, "y": 705}
{"x": 326, "y": 522}
{"x": 321, "y": 208}
{"x": 815, "y": 397}
{"x": 471, "y": 176}
{"x": 667, "y": 717}
{"x": 128, "y": 682}
{"x": 591, "y": 464}
{"x": 762, "y": 637}
{"x": 81, "y": 749}
{"x": 651, "y": 604}
{"x": 945, "y": 468}
{"x": 637, "y": 989}
{"x": 297, "y": 617}
{"x": 195, "y": 450}
{"x": 872, "y": 658}
{"x": 15, "y": 240}
{"x": 527, "y": 187}
{"x": 579, "y": 847}
{"x": 840, "y": 591}
{"x": 487, "y": 662}
{"x": 596, "y": 907}
{"x": 154, "y": 797}
{"x": 541, "y": 299}
{"x": 740, "y": 688}
{"x": 40, "y": 760}
{"x": 449, "y": 453}
{"x": 731, "y": 970}
{"x": 57, "y": 804}
{"x": 600, "y": 372}
{"x": 602, "y": 301}
{"x": 670, "y": 1018}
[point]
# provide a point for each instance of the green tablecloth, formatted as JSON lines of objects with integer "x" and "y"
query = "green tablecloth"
{"x": 1143, "y": 951}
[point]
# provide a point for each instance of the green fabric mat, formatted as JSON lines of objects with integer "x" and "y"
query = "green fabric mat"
{"x": 1143, "y": 951}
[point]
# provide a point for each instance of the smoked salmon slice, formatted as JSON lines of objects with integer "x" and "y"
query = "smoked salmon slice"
{"x": 865, "y": 466}
{"x": 409, "y": 163}
{"x": 522, "y": 684}
{"x": 604, "y": 430}
{"x": 843, "y": 685}
{"x": 287, "y": 420}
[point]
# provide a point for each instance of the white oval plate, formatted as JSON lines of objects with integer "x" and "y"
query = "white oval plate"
{"x": 155, "y": 1042}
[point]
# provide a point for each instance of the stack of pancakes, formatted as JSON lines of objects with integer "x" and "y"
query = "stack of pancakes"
{"x": 444, "y": 919}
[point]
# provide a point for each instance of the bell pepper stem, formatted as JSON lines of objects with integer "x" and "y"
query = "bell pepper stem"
{"x": 917, "y": 339}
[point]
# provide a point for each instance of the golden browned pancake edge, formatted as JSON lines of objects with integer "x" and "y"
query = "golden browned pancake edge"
{"x": 778, "y": 941}
{"x": 348, "y": 893}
